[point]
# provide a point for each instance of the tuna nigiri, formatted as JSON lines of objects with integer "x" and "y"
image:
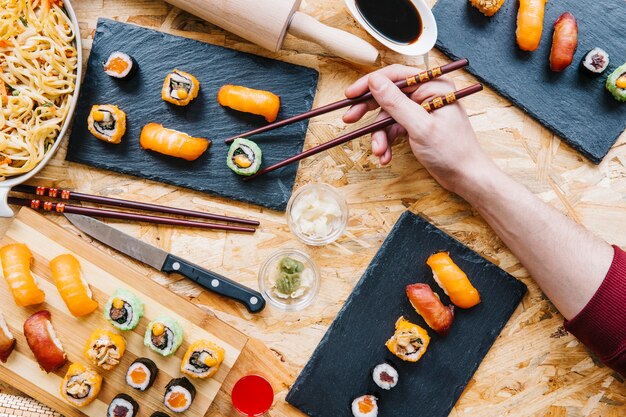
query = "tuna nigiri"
{"x": 72, "y": 286}
{"x": 171, "y": 142}
{"x": 429, "y": 306}
{"x": 249, "y": 100}
{"x": 16, "y": 259}
{"x": 453, "y": 280}
{"x": 7, "y": 340}
{"x": 43, "y": 342}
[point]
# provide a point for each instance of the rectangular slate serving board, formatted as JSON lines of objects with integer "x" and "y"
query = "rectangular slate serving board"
{"x": 340, "y": 368}
{"x": 140, "y": 97}
{"x": 571, "y": 104}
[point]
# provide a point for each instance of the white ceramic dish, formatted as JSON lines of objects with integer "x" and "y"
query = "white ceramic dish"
{"x": 5, "y": 186}
{"x": 421, "y": 46}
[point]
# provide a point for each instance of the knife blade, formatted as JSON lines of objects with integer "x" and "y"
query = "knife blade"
{"x": 166, "y": 262}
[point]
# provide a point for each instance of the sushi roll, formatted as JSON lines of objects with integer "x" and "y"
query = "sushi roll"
{"x": 120, "y": 65}
{"x": 409, "y": 341}
{"x": 7, "y": 340}
{"x": 81, "y": 385}
{"x": 16, "y": 259}
{"x": 179, "y": 394}
{"x": 107, "y": 123}
{"x": 453, "y": 281}
{"x": 141, "y": 374}
{"x": 43, "y": 341}
{"x": 202, "y": 360}
{"x": 123, "y": 310}
{"x": 105, "y": 349}
{"x": 72, "y": 285}
{"x": 244, "y": 157}
{"x": 365, "y": 406}
{"x": 616, "y": 83}
{"x": 180, "y": 88}
{"x": 171, "y": 142}
{"x": 122, "y": 405}
{"x": 385, "y": 376}
{"x": 595, "y": 61}
{"x": 429, "y": 306}
{"x": 249, "y": 100}
{"x": 159, "y": 414}
{"x": 487, "y": 7}
{"x": 163, "y": 335}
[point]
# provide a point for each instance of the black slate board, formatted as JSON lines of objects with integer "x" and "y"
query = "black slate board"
{"x": 140, "y": 97}
{"x": 340, "y": 368}
{"x": 571, "y": 104}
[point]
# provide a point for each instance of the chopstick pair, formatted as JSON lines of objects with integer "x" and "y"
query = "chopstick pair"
{"x": 62, "y": 207}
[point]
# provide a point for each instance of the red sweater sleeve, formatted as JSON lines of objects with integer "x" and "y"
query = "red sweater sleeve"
{"x": 601, "y": 324}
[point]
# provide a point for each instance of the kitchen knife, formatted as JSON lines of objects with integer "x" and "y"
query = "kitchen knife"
{"x": 166, "y": 262}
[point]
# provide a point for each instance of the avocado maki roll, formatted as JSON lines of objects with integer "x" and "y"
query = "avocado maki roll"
{"x": 107, "y": 123}
{"x": 123, "y": 310}
{"x": 244, "y": 157}
{"x": 163, "y": 335}
{"x": 616, "y": 83}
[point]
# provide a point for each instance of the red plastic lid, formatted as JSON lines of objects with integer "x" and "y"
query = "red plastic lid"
{"x": 252, "y": 395}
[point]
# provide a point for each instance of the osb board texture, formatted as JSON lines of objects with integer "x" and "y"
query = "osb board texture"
{"x": 534, "y": 368}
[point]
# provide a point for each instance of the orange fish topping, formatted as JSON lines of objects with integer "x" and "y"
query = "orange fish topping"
{"x": 366, "y": 405}
{"x": 177, "y": 400}
{"x": 117, "y": 65}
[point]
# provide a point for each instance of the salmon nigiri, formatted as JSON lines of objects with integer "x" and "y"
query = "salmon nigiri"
{"x": 453, "y": 280}
{"x": 72, "y": 286}
{"x": 16, "y": 259}
{"x": 171, "y": 142}
{"x": 249, "y": 100}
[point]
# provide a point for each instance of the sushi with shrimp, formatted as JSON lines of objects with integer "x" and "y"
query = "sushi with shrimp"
{"x": 453, "y": 280}
{"x": 595, "y": 61}
{"x": 428, "y": 305}
{"x": 171, "y": 142}
{"x": 105, "y": 349}
{"x": 409, "y": 342}
{"x": 7, "y": 340}
{"x": 123, "y": 310}
{"x": 107, "y": 123}
{"x": 365, "y": 406}
{"x": 202, "y": 360}
{"x": 81, "y": 385}
{"x": 122, "y": 405}
{"x": 244, "y": 157}
{"x": 120, "y": 65}
{"x": 180, "y": 88}
{"x": 385, "y": 376}
{"x": 16, "y": 259}
{"x": 43, "y": 341}
{"x": 248, "y": 100}
{"x": 179, "y": 394}
{"x": 72, "y": 285}
{"x": 616, "y": 83}
{"x": 164, "y": 335}
{"x": 141, "y": 374}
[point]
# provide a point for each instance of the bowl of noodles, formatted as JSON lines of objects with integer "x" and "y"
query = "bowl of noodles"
{"x": 40, "y": 73}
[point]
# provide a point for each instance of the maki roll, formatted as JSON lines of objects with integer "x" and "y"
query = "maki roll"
{"x": 409, "y": 341}
{"x": 105, "y": 349}
{"x": 122, "y": 405}
{"x": 616, "y": 83}
{"x": 159, "y": 414}
{"x": 180, "y": 88}
{"x": 107, "y": 122}
{"x": 202, "y": 360}
{"x": 123, "y": 310}
{"x": 595, "y": 61}
{"x": 7, "y": 340}
{"x": 163, "y": 335}
{"x": 365, "y": 406}
{"x": 179, "y": 394}
{"x": 120, "y": 65}
{"x": 141, "y": 374}
{"x": 244, "y": 157}
{"x": 385, "y": 376}
{"x": 81, "y": 385}
{"x": 72, "y": 285}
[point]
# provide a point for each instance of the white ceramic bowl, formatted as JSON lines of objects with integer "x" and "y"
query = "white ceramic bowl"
{"x": 5, "y": 186}
{"x": 421, "y": 46}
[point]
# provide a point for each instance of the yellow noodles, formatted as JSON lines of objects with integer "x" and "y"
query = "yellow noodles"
{"x": 38, "y": 62}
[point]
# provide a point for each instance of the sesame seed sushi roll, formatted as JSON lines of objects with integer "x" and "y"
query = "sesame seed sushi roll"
{"x": 122, "y": 405}
{"x": 248, "y": 100}
{"x": 244, "y": 157}
{"x": 202, "y": 360}
{"x": 409, "y": 341}
{"x": 163, "y": 335}
{"x": 171, "y": 142}
{"x": 595, "y": 61}
{"x": 7, "y": 340}
{"x": 365, "y": 406}
{"x": 120, "y": 65}
{"x": 81, "y": 385}
{"x": 453, "y": 280}
{"x": 105, "y": 349}
{"x": 180, "y": 88}
{"x": 616, "y": 83}
{"x": 179, "y": 394}
{"x": 72, "y": 285}
{"x": 385, "y": 376}
{"x": 107, "y": 123}
{"x": 16, "y": 259}
{"x": 141, "y": 374}
{"x": 123, "y": 310}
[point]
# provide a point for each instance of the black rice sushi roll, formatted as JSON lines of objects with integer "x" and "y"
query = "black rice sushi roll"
{"x": 141, "y": 374}
{"x": 179, "y": 394}
{"x": 120, "y": 65}
{"x": 595, "y": 61}
{"x": 122, "y": 405}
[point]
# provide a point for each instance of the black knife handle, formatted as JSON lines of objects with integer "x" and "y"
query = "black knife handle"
{"x": 216, "y": 283}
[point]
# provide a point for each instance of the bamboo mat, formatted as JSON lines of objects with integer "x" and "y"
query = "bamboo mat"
{"x": 14, "y": 405}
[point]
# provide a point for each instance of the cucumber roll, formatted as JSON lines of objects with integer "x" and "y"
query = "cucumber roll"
{"x": 163, "y": 335}
{"x": 107, "y": 122}
{"x": 123, "y": 310}
{"x": 244, "y": 157}
{"x": 616, "y": 83}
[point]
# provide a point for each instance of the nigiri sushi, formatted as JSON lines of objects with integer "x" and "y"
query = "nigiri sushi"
{"x": 564, "y": 42}
{"x": 43, "y": 342}
{"x": 429, "y": 306}
{"x": 81, "y": 385}
{"x": 409, "y": 341}
{"x": 7, "y": 340}
{"x": 171, "y": 142}
{"x": 105, "y": 349}
{"x": 72, "y": 285}
{"x": 202, "y": 360}
{"x": 180, "y": 88}
{"x": 453, "y": 281}
{"x": 16, "y": 259}
{"x": 530, "y": 24}
{"x": 249, "y": 100}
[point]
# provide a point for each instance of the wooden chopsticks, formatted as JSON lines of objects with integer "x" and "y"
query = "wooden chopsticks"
{"x": 430, "y": 105}
{"x": 422, "y": 77}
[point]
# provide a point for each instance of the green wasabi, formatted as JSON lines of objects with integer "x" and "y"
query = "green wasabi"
{"x": 289, "y": 279}
{"x": 244, "y": 157}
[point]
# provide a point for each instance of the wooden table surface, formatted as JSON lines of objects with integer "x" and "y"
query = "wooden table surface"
{"x": 535, "y": 367}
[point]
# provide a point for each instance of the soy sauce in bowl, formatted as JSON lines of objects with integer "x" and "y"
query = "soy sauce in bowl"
{"x": 397, "y": 21}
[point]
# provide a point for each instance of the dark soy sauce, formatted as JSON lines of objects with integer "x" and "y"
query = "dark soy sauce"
{"x": 395, "y": 20}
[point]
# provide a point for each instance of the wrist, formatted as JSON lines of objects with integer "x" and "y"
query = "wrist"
{"x": 477, "y": 180}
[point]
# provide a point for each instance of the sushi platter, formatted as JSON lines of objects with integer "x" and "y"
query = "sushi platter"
{"x": 105, "y": 277}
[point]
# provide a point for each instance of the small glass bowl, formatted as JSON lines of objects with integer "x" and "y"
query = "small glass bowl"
{"x": 340, "y": 224}
{"x": 266, "y": 281}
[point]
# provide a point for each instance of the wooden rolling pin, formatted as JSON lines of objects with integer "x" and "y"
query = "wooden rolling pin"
{"x": 265, "y": 22}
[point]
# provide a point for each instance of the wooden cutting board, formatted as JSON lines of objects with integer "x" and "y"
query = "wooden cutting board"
{"x": 104, "y": 274}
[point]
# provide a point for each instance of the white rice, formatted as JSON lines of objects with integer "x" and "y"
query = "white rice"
{"x": 176, "y": 389}
{"x": 53, "y": 335}
{"x": 436, "y": 278}
{"x": 5, "y": 328}
{"x": 355, "y": 407}
{"x": 385, "y": 371}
